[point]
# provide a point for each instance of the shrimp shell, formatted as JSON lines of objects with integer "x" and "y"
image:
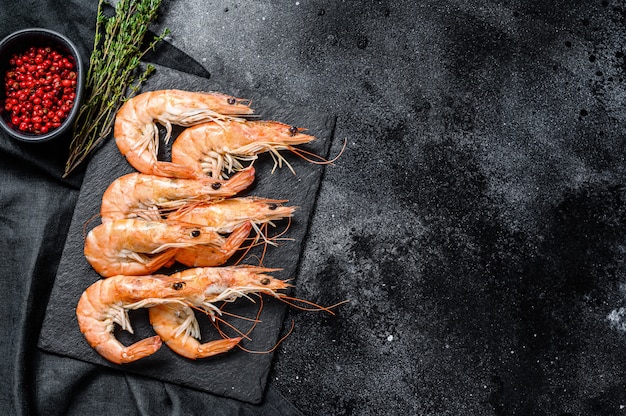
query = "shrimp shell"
{"x": 137, "y": 135}
{"x": 205, "y": 286}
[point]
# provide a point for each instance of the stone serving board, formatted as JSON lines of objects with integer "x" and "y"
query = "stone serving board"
{"x": 237, "y": 374}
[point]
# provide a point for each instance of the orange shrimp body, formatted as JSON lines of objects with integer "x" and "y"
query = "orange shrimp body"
{"x": 176, "y": 324}
{"x": 178, "y": 328}
{"x": 138, "y": 247}
{"x": 218, "y": 147}
{"x": 226, "y": 214}
{"x": 138, "y": 195}
{"x": 137, "y": 135}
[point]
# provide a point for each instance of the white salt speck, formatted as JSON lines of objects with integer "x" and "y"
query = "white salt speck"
{"x": 616, "y": 319}
{"x": 390, "y": 338}
{"x": 297, "y": 3}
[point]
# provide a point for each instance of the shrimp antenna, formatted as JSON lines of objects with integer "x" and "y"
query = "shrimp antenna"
{"x": 292, "y": 301}
{"x": 277, "y": 236}
{"x": 250, "y": 246}
{"x": 88, "y": 221}
{"x": 223, "y": 334}
{"x": 280, "y": 341}
{"x": 243, "y": 318}
{"x": 280, "y": 159}
{"x": 255, "y": 321}
{"x": 261, "y": 232}
{"x": 315, "y": 158}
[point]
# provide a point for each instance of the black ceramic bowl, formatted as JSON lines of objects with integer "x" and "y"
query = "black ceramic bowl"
{"x": 18, "y": 42}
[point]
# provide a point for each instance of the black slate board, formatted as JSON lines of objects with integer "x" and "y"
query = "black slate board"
{"x": 237, "y": 374}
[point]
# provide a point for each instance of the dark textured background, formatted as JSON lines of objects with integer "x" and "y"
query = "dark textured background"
{"x": 475, "y": 221}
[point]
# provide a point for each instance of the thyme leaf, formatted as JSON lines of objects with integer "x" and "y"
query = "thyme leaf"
{"x": 115, "y": 73}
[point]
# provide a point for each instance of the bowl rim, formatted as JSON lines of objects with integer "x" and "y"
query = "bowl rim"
{"x": 73, "y": 50}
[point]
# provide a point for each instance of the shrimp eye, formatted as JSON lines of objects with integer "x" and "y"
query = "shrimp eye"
{"x": 178, "y": 285}
{"x": 293, "y": 131}
{"x": 272, "y": 207}
{"x": 231, "y": 101}
{"x": 265, "y": 281}
{"x": 195, "y": 233}
{"x": 216, "y": 185}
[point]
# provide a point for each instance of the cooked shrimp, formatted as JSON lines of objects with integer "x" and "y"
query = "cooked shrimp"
{"x": 177, "y": 325}
{"x": 138, "y": 195}
{"x": 107, "y": 302}
{"x": 137, "y": 135}
{"x": 226, "y": 214}
{"x": 178, "y": 328}
{"x": 216, "y": 148}
{"x": 139, "y": 247}
{"x": 205, "y": 286}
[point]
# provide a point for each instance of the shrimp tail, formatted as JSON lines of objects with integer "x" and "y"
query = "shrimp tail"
{"x": 115, "y": 352}
{"x": 219, "y": 346}
{"x": 173, "y": 170}
{"x": 242, "y": 179}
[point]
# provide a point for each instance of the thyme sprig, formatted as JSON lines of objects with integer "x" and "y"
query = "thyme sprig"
{"x": 115, "y": 73}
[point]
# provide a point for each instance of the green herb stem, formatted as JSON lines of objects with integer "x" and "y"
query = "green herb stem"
{"x": 115, "y": 73}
